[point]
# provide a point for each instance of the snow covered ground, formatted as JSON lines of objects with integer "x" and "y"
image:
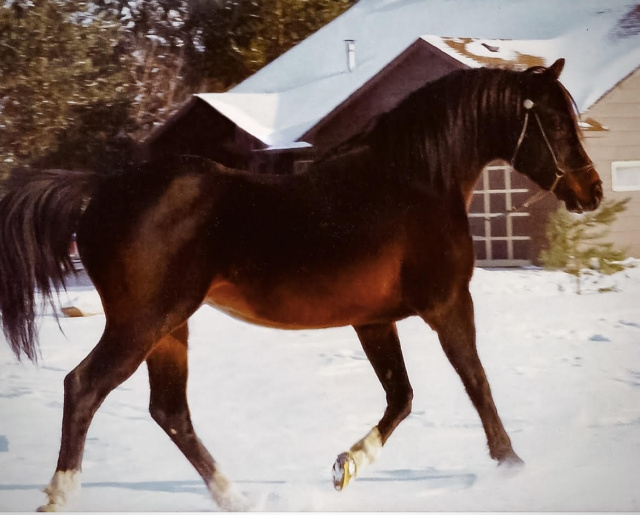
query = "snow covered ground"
{"x": 276, "y": 407}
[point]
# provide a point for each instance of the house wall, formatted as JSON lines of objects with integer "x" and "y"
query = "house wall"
{"x": 619, "y": 111}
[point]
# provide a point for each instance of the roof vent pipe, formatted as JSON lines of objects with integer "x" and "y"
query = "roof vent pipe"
{"x": 351, "y": 54}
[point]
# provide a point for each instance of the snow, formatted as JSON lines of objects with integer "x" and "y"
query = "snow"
{"x": 276, "y": 407}
{"x": 599, "y": 38}
{"x": 590, "y": 53}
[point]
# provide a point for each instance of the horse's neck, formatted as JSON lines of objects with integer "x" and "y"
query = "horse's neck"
{"x": 487, "y": 138}
{"x": 391, "y": 163}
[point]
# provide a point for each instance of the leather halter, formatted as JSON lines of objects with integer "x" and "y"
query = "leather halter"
{"x": 560, "y": 172}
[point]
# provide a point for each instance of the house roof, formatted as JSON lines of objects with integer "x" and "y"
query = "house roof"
{"x": 599, "y": 38}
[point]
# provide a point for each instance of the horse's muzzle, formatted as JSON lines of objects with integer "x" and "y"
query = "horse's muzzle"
{"x": 582, "y": 193}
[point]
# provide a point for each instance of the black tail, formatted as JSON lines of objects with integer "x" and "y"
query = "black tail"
{"x": 39, "y": 213}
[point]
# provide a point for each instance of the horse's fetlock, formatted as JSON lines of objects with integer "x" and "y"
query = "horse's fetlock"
{"x": 409, "y": 398}
{"x": 401, "y": 402}
{"x": 408, "y": 404}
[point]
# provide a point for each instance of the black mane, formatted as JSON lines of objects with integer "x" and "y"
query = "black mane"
{"x": 433, "y": 134}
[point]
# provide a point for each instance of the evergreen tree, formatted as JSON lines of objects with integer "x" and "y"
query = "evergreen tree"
{"x": 80, "y": 81}
{"x": 576, "y": 242}
{"x": 238, "y": 37}
{"x": 64, "y": 86}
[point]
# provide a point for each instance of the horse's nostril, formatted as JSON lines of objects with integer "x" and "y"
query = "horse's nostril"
{"x": 596, "y": 193}
{"x": 597, "y": 190}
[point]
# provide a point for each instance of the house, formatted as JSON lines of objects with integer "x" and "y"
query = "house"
{"x": 367, "y": 60}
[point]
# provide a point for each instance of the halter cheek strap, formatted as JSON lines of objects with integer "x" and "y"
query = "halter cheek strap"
{"x": 560, "y": 172}
{"x": 528, "y": 104}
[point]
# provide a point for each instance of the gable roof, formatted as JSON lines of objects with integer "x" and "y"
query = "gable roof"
{"x": 281, "y": 102}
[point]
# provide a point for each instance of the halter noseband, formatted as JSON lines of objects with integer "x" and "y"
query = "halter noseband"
{"x": 560, "y": 172}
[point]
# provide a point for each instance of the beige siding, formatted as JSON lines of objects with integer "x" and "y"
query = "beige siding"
{"x": 619, "y": 111}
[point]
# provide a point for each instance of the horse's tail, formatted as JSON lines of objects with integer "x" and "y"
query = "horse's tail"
{"x": 39, "y": 213}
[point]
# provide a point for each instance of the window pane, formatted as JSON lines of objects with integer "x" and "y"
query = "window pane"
{"x": 521, "y": 225}
{"x": 477, "y": 203}
{"x": 626, "y": 175}
{"x": 499, "y": 226}
{"x": 497, "y": 203}
{"x": 496, "y": 180}
{"x": 521, "y": 249}
{"x": 499, "y": 249}
{"x": 477, "y": 226}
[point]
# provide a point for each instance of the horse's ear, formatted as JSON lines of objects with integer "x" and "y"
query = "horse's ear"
{"x": 556, "y": 68}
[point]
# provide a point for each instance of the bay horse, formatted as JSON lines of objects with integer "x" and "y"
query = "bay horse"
{"x": 371, "y": 234}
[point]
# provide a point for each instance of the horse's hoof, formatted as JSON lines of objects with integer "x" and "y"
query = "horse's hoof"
{"x": 226, "y": 495}
{"x": 511, "y": 461}
{"x": 235, "y": 502}
{"x": 343, "y": 470}
{"x": 47, "y": 508}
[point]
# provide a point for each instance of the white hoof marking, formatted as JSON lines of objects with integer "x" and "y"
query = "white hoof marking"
{"x": 226, "y": 495}
{"x": 62, "y": 490}
{"x": 362, "y": 453}
{"x": 367, "y": 450}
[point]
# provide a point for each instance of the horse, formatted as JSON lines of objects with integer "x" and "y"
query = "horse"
{"x": 372, "y": 233}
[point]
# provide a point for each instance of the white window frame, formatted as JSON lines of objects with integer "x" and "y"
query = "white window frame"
{"x": 486, "y": 214}
{"x": 621, "y": 165}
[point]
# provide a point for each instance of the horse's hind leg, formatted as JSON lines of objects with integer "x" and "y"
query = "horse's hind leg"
{"x": 382, "y": 346}
{"x": 168, "y": 406}
{"x": 456, "y": 330}
{"x": 116, "y": 357}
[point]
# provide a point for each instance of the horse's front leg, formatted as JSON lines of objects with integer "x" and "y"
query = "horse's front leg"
{"x": 456, "y": 329}
{"x": 382, "y": 346}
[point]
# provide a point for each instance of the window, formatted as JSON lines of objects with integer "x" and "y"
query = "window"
{"x": 625, "y": 175}
{"x": 500, "y": 240}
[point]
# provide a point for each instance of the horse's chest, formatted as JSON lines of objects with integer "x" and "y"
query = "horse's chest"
{"x": 319, "y": 296}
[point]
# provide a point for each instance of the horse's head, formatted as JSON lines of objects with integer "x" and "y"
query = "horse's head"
{"x": 549, "y": 149}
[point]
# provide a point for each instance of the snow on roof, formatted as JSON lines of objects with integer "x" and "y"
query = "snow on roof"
{"x": 597, "y": 57}
{"x": 599, "y": 38}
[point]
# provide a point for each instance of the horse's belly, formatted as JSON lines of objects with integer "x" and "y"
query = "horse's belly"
{"x": 364, "y": 294}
